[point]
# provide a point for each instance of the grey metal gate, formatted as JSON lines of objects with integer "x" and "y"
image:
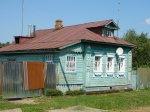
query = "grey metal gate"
{"x": 50, "y": 80}
{"x": 12, "y": 79}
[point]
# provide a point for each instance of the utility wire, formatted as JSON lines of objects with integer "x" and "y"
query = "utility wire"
{"x": 118, "y": 16}
{"x": 22, "y": 17}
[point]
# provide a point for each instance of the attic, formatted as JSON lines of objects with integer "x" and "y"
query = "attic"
{"x": 106, "y": 30}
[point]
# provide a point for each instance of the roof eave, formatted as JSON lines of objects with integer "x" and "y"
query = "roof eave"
{"x": 32, "y": 51}
{"x": 106, "y": 43}
{"x": 69, "y": 44}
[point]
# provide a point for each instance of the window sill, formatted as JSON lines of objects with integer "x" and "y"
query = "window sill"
{"x": 121, "y": 74}
{"x": 98, "y": 73}
{"x": 110, "y": 74}
{"x": 70, "y": 72}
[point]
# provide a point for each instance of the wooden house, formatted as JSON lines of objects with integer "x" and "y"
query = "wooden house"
{"x": 85, "y": 55}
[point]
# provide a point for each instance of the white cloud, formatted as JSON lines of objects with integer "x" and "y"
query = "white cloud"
{"x": 148, "y": 21}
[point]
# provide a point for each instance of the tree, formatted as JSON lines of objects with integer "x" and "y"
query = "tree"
{"x": 4, "y": 44}
{"x": 141, "y": 54}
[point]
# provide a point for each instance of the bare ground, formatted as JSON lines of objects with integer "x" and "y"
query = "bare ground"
{"x": 24, "y": 101}
{"x": 79, "y": 108}
{"x": 141, "y": 109}
{"x": 87, "y": 109}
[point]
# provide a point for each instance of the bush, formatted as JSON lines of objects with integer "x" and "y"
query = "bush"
{"x": 75, "y": 92}
{"x": 147, "y": 88}
{"x": 53, "y": 92}
{"x": 1, "y": 97}
{"x": 81, "y": 91}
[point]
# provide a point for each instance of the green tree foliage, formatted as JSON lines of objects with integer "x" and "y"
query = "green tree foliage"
{"x": 141, "y": 53}
{"x": 4, "y": 44}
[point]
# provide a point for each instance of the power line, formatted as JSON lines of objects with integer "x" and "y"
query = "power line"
{"x": 118, "y": 15}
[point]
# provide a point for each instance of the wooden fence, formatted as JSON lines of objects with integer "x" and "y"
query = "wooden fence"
{"x": 141, "y": 78}
{"x": 26, "y": 80}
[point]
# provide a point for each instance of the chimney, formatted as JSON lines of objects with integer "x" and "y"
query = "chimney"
{"x": 29, "y": 30}
{"x": 58, "y": 24}
{"x": 34, "y": 29}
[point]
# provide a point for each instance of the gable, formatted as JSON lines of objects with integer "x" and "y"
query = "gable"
{"x": 112, "y": 25}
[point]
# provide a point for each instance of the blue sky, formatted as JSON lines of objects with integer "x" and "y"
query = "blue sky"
{"x": 134, "y": 14}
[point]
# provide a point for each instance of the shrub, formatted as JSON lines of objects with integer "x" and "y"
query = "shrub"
{"x": 1, "y": 97}
{"x": 81, "y": 91}
{"x": 53, "y": 92}
{"x": 75, "y": 92}
{"x": 69, "y": 92}
{"x": 147, "y": 88}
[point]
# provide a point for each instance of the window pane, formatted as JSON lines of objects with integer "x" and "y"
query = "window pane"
{"x": 70, "y": 63}
{"x": 49, "y": 58}
{"x": 97, "y": 64}
{"x": 121, "y": 65}
{"x": 110, "y": 64}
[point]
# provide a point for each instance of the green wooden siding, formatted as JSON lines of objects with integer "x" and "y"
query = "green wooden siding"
{"x": 104, "y": 79}
{"x": 70, "y": 78}
{"x": 84, "y": 75}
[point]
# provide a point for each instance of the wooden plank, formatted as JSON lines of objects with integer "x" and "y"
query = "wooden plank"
{"x": 107, "y": 91}
{"x": 35, "y": 75}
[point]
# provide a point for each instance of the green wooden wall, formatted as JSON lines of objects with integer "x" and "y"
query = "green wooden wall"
{"x": 104, "y": 81}
{"x": 84, "y": 76}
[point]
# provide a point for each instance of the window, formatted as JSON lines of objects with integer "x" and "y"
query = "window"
{"x": 121, "y": 65}
{"x": 97, "y": 63}
{"x": 49, "y": 58}
{"x": 71, "y": 64}
{"x": 107, "y": 33}
{"x": 110, "y": 64}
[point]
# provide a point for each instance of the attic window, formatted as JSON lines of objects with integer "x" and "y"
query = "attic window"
{"x": 107, "y": 33}
{"x": 16, "y": 40}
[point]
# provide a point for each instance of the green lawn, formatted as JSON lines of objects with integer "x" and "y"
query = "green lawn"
{"x": 113, "y": 101}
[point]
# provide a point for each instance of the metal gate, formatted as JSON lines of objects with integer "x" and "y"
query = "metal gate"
{"x": 12, "y": 79}
{"x": 50, "y": 79}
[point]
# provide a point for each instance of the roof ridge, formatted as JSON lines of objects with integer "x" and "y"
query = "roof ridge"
{"x": 76, "y": 24}
{"x": 45, "y": 29}
{"x": 88, "y": 23}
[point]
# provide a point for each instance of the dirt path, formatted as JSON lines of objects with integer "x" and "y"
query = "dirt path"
{"x": 23, "y": 101}
{"x": 141, "y": 109}
{"x": 78, "y": 109}
{"x": 12, "y": 110}
{"x": 87, "y": 109}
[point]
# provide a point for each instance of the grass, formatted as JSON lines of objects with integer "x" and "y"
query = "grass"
{"x": 113, "y": 101}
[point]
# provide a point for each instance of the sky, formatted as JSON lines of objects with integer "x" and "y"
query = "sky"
{"x": 132, "y": 14}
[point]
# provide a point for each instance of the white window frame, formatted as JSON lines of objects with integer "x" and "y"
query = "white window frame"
{"x": 121, "y": 63}
{"x": 70, "y": 62}
{"x": 100, "y": 61}
{"x": 49, "y": 58}
{"x": 107, "y": 33}
{"x": 112, "y": 69}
